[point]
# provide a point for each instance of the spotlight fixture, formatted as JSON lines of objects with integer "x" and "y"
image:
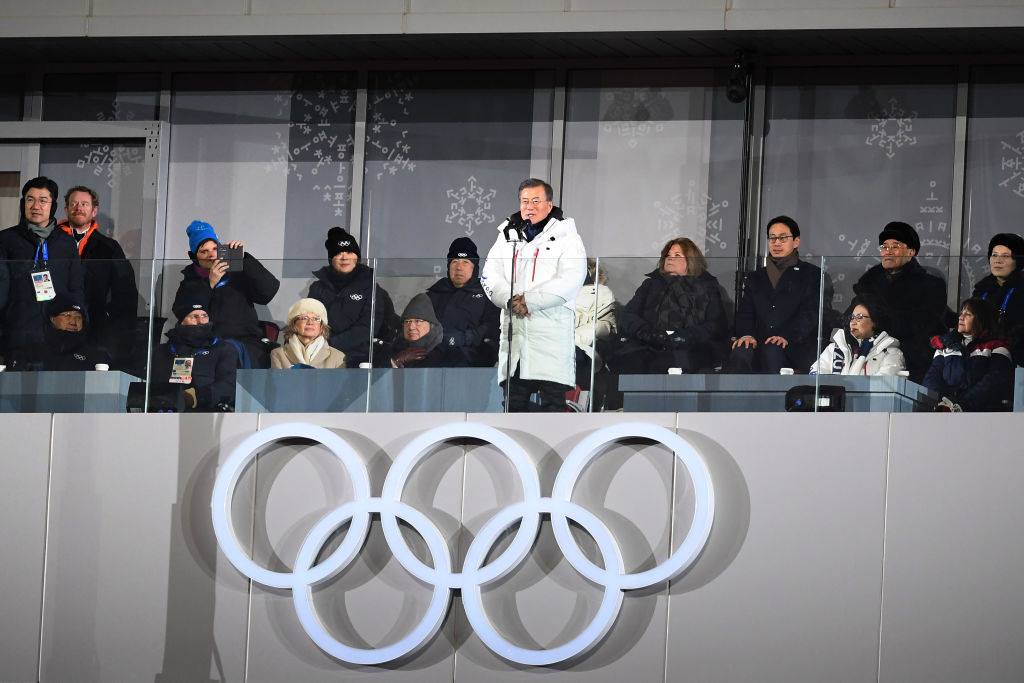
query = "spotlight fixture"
{"x": 738, "y": 87}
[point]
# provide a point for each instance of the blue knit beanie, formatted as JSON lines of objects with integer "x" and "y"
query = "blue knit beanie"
{"x": 198, "y": 232}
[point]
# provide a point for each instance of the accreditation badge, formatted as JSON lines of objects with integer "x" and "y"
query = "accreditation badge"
{"x": 181, "y": 371}
{"x": 43, "y": 284}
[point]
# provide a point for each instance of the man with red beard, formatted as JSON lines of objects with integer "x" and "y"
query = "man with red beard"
{"x": 111, "y": 296}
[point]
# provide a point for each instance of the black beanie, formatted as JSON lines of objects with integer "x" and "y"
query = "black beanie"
{"x": 62, "y": 303}
{"x": 901, "y": 232}
{"x": 185, "y": 307}
{"x": 338, "y": 240}
{"x": 1015, "y": 243}
{"x": 463, "y": 247}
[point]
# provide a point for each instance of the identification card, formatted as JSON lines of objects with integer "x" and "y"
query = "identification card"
{"x": 181, "y": 371}
{"x": 43, "y": 284}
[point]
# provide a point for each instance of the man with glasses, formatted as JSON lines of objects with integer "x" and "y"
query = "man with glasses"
{"x": 37, "y": 263}
{"x": 111, "y": 296}
{"x": 533, "y": 273}
{"x": 915, "y": 298}
{"x": 777, "y": 319}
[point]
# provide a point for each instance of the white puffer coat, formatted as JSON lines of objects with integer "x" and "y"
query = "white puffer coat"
{"x": 595, "y": 315}
{"x": 548, "y": 270}
{"x": 884, "y": 357}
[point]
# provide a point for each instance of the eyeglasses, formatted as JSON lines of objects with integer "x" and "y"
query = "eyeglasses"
{"x": 414, "y": 321}
{"x": 535, "y": 202}
{"x": 891, "y": 248}
{"x": 857, "y": 317}
{"x": 1000, "y": 257}
{"x": 42, "y": 201}
{"x": 308, "y": 318}
{"x": 778, "y": 238}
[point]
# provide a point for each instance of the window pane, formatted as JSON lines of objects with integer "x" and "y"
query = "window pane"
{"x": 101, "y": 97}
{"x": 12, "y": 98}
{"x": 113, "y": 169}
{"x": 849, "y": 150}
{"x": 650, "y": 156}
{"x": 445, "y": 153}
{"x": 265, "y": 158}
{"x": 995, "y": 167}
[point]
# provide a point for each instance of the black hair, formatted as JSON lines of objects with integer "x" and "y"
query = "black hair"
{"x": 878, "y": 311}
{"x": 41, "y": 183}
{"x": 794, "y": 229}
{"x": 536, "y": 182}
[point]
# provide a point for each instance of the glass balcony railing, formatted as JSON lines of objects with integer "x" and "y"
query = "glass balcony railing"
{"x": 406, "y": 335}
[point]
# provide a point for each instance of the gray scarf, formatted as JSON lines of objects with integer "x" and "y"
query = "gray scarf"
{"x": 42, "y": 232}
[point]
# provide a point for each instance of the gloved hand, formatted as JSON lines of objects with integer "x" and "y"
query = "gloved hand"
{"x": 656, "y": 340}
{"x": 454, "y": 338}
{"x": 677, "y": 341}
{"x": 951, "y": 340}
{"x": 408, "y": 356}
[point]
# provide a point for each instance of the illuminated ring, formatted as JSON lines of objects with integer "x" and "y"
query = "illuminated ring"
{"x": 703, "y": 512}
{"x": 302, "y": 596}
{"x": 607, "y": 612}
{"x": 224, "y": 493}
{"x": 402, "y": 468}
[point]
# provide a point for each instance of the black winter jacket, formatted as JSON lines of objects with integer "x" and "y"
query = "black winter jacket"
{"x": 214, "y": 367}
{"x": 348, "y": 303}
{"x": 24, "y": 318}
{"x": 696, "y": 309}
{"x": 917, "y": 303}
{"x": 789, "y": 310}
{"x": 1008, "y": 299}
{"x": 61, "y": 351}
{"x": 111, "y": 295}
{"x": 232, "y": 304}
{"x": 978, "y": 377}
{"x": 469, "y": 320}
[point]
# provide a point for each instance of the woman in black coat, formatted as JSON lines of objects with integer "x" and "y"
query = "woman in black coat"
{"x": 676, "y": 317}
{"x": 1003, "y": 289}
{"x": 345, "y": 288}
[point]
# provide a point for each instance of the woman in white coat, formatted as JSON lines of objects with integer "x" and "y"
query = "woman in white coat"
{"x": 595, "y": 320}
{"x": 866, "y": 349}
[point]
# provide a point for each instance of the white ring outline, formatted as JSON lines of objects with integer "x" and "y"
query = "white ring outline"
{"x": 224, "y": 493}
{"x": 704, "y": 501}
{"x": 607, "y": 612}
{"x": 560, "y": 507}
{"x": 416, "y": 451}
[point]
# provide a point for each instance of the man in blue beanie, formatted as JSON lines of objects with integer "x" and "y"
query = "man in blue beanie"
{"x": 230, "y": 297}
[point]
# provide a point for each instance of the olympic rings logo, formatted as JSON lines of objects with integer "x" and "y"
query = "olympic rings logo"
{"x": 475, "y": 574}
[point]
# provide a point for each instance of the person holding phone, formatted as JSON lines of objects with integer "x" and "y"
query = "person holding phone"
{"x": 230, "y": 295}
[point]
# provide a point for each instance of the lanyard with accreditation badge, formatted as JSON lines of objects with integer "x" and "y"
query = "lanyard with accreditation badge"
{"x": 42, "y": 282}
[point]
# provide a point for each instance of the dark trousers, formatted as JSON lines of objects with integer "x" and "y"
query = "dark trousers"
{"x": 518, "y": 392}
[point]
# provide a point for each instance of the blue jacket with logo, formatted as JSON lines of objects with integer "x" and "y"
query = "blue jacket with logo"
{"x": 469, "y": 321}
{"x": 348, "y": 302}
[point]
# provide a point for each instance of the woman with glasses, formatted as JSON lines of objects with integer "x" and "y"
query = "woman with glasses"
{"x": 1002, "y": 288}
{"x": 971, "y": 369}
{"x": 306, "y": 339}
{"x": 864, "y": 347}
{"x": 675, "y": 319}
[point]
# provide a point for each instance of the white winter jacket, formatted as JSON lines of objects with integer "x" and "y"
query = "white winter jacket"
{"x": 884, "y": 358}
{"x": 548, "y": 270}
{"x": 595, "y": 315}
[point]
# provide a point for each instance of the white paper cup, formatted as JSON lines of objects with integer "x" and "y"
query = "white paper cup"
{"x": 2, "y": 368}
{"x": 102, "y": 367}
{"x": 675, "y": 371}
{"x": 785, "y": 371}
{"x": 365, "y": 366}
{"x": 904, "y": 373}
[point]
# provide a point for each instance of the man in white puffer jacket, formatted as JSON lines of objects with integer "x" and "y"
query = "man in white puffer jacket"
{"x": 533, "y": 273}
